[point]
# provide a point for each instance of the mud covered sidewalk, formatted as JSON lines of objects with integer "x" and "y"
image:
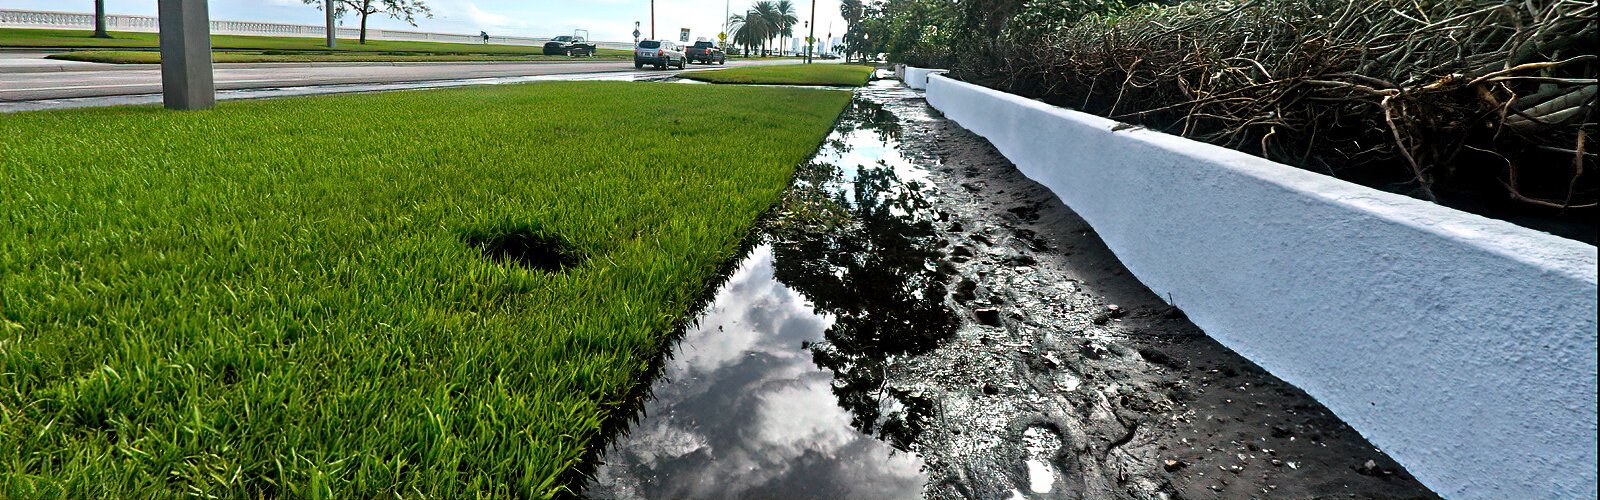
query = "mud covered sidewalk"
{"x": 1072, "y": 380}
{"x": 969, "y": 318}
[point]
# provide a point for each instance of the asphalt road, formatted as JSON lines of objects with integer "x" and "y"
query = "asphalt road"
{"x": 28, "y": 77}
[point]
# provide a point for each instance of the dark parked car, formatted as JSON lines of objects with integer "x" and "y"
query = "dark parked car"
{"x": 573, "y": 46}
{"x": 705, "y": 52}
{"x": 659, "y": 53}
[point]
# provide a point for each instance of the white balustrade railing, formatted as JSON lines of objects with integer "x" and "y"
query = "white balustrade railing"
{"x": 11, "y": 18}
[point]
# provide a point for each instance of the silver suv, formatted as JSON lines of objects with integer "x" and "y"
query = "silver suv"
{"x": 659, "y": 53}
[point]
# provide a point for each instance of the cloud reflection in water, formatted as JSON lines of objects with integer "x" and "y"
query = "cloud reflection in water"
{"x": 743, "y": 412}
{"x": 744, "y": 409}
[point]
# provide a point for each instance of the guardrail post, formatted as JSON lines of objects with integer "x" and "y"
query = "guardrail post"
{"x": 186, "y": 80}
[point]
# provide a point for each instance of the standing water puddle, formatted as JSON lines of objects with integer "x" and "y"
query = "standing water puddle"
{"x": 779, "y": 390}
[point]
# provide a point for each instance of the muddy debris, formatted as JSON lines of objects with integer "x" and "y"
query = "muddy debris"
{"x": 1085, "y": 386}
{"x": 1141, "y": 403}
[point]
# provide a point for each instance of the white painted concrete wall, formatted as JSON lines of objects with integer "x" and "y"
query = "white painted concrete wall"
{"x": 1462, "y": 346}
{"x": 917, "y": 78}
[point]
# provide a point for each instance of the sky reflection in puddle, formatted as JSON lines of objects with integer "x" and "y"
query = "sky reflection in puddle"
{"x": 778, "y": 391}
{"x": 743, "y": 412}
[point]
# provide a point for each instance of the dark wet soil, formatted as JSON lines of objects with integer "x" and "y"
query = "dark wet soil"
{"x": 526, "y": 247}
{"x": 922, "y": 319}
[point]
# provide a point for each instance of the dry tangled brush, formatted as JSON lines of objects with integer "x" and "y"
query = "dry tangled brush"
{"x": 1492, "y": 99}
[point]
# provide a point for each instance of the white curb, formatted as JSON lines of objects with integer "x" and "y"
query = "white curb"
{"x": 1462, "y": 346}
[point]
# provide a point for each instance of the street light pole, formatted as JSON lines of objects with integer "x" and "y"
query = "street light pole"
{"x": 333, "y": 39}
{"x": 812, "y": 38}
{"x": 653, "y": 20}
{"x": 186, "y": 80}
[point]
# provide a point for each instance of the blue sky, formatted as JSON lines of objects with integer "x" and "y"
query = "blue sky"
{"x": 610, "y": 20}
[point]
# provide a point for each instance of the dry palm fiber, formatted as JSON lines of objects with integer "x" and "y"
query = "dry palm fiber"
{"x": 1486, "y": 98}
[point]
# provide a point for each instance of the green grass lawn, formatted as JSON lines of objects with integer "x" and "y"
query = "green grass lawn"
{"x": 67, "y": 39}
{"x": 152, "y": 57}
{"x": 281, "y": 298}
{"x": 789, "y": 74}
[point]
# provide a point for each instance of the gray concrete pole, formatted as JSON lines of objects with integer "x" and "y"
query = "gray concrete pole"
{"x": 333, "y": 31}
{"x": 186, "y": 80}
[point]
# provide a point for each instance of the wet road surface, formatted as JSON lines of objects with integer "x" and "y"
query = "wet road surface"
{"x": 915, "y": 291}
{"x": 27, "y": 90}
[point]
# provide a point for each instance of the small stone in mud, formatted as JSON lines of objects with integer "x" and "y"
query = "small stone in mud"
{"x": 982, "y": 239}
{"x": 990, "y": 389}
{"x": 988, "y": 316}
{"x": 1102, "y": 319}
{"x": 956, "y": 227}
{"x": 1116, "y": 311}
{"x": 1371, "y": 468}
{"x": 1158, "y": 357}
{"x": 961, "y": 251}
{"x": 1172, "y": 465}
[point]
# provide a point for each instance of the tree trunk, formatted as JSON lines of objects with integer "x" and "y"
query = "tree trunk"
{"x": 333, "y": 30}
{"x": 366, "y": 10}
{"x": 100, "y": 19}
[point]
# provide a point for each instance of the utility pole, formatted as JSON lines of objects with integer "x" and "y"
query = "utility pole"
{"x": 811, "y": 39}
{"x": 653, "y": 20}
{"x": 186, "y": 80}
{"x": 726, "y": 13}
{"x": 333, "y": 38}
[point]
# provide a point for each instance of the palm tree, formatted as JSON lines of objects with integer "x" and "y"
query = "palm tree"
{"x": 785, "y": 21}
{"x": 852, "y": 11}
{"x": 100, "y": 19}
{"x": 763, "y": 10}
{"x": 749, "y": 30}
